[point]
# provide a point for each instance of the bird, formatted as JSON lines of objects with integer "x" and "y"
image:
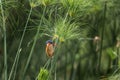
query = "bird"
{"x": 49, "y": 48}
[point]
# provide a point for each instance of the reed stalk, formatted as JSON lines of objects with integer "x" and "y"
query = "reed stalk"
{"x": 34, "y": 42}
{"x": 102, "y": 36}
{"x": 15, "y": 63}
{"x": 5, "y": 41}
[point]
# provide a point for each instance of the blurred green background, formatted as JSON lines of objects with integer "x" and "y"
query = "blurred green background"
{"x": 86, "y": 33}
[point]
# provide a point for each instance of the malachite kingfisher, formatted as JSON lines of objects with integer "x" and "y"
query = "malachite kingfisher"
{"x": 49, "y": 48}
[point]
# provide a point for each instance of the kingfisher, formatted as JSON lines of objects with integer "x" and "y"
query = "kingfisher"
{"x": 49, "y": 48}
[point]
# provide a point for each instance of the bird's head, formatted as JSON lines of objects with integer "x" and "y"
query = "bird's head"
{"x": 49, "y": 42}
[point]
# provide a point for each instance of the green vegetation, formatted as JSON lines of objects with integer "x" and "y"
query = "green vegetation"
{"x": 86, "y": 34}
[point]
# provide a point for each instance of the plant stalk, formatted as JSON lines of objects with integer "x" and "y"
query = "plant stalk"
{"x": 102, "y": 36}
{"x": 15, "y": 64}
{"x": 32, "y": 49}
{"x": 5, "y": 41}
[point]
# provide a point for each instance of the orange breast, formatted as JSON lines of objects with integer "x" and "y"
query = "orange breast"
{"x": 49, "y": 50}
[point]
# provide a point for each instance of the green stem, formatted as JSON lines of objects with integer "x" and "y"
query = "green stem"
{"x": 32, "y": 49}
{"x": 65, "y": 69}
{"x": 55, "y": 77}
{"x": 19, "y": 48}
{"x": 5, "y": 45}
{"x": 102, "y": 36}
{"x": 47, "y": 64}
